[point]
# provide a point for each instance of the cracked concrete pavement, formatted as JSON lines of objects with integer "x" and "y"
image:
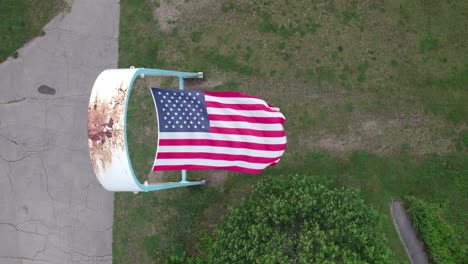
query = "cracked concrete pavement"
{"x": 52, "y": 208}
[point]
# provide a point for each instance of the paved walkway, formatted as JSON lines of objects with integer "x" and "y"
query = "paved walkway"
{"x": 52, "y": 208}
{"x": 408, "y": 235}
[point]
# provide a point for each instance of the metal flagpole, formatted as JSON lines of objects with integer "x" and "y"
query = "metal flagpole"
{"x": 181, "y": 87}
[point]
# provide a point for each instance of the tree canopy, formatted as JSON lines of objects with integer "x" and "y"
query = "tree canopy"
{"x": 299, "y": 220}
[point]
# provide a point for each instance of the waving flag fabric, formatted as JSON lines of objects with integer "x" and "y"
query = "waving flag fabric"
{"x": 217, "y": 130}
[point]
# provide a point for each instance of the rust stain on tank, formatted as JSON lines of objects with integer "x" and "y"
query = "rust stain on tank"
{"x": 105, "y": 126}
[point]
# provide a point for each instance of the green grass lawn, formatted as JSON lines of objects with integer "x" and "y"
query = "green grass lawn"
{"x": 21, "y": 20}
{"x": 373, "y": 93}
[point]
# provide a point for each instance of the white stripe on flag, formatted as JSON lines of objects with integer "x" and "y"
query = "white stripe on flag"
{"x": 256, "y": 126}
{"x": 220, "y": 150}
{"x": 206, "y": 135}
{"x": 252, "y": 113}
{"x": 234, "y": 100}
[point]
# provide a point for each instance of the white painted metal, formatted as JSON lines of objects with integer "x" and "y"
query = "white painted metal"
{"x": 107, "y": 139}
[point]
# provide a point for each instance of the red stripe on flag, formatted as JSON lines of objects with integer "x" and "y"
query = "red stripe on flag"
{"x": 221, "y": 143}
{"x": 246, "y": 131}
{"x": 231, "y": 94}
{"x": 215, "y": 156}
{"x": 250, "y": 119}
{"x": 200, "y": 167}
{"x": 240, "y": 106}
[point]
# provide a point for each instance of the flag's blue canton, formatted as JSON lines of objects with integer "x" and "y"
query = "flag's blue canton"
{"x": 181, "y": 111}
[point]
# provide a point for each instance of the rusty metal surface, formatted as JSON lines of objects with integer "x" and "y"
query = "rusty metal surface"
{"x": 106, "y": 129}
{"x": 106, "y": 124}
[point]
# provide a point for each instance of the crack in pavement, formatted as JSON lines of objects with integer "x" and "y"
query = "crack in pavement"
{"x": 48, "y": 192}
{"x": 72, "y": 252}
{"x": 65, "y": 55}
{"x": 24, "y": 258}
{"x": 44, "y": 248}
{"x": 86, "y": 206}
{"x": 16, "y": 160}
{"x": 70, "y": 149}
{"x": 23, "y": 231}
{"x": 44, "y": 99}
{"x": 14, "y": 101}
{"x": 8, "y": 139}
{"x": 9, "y": 176}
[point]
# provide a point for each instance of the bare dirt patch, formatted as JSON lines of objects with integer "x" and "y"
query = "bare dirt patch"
{"x": 167, "y": 13}
{"x": 170, "y": 11}
{"x": 414, "y": 134}
{"x": 214, "y": 177}
{"x": 201, "y": 84}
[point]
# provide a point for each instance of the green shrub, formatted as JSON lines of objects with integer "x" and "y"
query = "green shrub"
{"x": 203, "y": 248}
{"x": 299, "y": 220}
{"x": 443, "y": 243}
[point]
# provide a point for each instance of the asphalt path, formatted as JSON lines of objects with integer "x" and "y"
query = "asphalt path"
{"x": 52, "y": 208}
{"x": 414, "y": 247}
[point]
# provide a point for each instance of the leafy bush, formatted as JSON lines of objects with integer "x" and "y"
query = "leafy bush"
{"x": 203, "y": 248}
{"x": 443, "y": 243}
{"x": 297, "y": 219}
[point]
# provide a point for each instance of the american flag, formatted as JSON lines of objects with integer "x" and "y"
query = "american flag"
{"x": 217, "y": 130}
